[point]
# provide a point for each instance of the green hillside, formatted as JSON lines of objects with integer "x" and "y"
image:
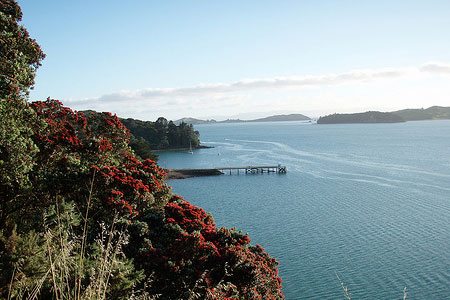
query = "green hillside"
{"x": 366, "y": 117}
{"x": 431, "y": 113}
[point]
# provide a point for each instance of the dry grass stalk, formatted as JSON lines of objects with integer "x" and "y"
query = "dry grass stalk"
{"x": 83, "y": 243}
{"x": 66, "y": 259}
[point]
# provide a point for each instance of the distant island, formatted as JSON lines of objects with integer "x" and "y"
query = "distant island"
{"x": 431, "y": 113}
{"x": 275, "y": 118}
{"x": 366, "y": 117}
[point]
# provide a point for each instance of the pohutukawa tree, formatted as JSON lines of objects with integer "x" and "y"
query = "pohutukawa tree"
{"x": 82, "y": 217}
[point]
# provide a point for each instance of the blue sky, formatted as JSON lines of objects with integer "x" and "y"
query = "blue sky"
{"x": 220, "y": 59}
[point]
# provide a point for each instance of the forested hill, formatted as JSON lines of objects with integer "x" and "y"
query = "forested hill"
{"x": 430, "y": 113}
{"x": 158, "y": 135}
{"x": 366, "y": 117}
{"x": 163, "y": 134}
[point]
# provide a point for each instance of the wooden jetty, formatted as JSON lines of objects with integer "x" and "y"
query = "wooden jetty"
{"x": 255, "y": 169}
{"x": 187, "y": 173}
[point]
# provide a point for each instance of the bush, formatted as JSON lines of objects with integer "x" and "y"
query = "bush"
{"x": 187, "y": 255}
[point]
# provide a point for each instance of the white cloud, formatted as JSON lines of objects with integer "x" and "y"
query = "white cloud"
{"x": 249, "y": 84}
{"x": 436, "y": 67}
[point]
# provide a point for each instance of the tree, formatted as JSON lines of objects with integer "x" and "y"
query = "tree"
{"x": 73, "y": 146}
{"x": 20, "y": 56}
{"x": 172, "y": 134}
{"x": 162, "y": 134}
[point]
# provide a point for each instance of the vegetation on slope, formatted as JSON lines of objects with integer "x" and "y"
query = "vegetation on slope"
{"x": 366, "y": 117}
{"x": 431, "y": 113}
{"x": 83, "y": 218}
{"x": 163, "y": 134}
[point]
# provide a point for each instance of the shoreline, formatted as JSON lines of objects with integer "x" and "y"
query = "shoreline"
{"x": 182, "y": 149}
{"x": 189, "y": 173}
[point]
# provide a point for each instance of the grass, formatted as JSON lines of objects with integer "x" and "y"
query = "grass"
{"x": 72, "y": 273}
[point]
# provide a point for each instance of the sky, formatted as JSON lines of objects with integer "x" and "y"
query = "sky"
{"x": 241, "y": 59}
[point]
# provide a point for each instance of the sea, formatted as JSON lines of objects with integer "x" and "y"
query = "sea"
{"x": 365, "y": 207}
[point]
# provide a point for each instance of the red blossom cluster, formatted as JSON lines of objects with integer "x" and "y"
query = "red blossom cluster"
{"x": 133, "y": 184}
{"x": 105, "y": 145}
{"x": 73, "y": 146}
{"x": 110, "y": 128}
{"x": 221, "y": 262}
{"x": 65, "y": 128}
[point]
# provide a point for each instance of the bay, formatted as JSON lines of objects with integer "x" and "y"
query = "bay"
{"x": 370, "y": 202}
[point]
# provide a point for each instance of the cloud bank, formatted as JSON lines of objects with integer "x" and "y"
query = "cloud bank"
{"x": 261, "y": 93}
{"x": 251, "y": 85}
{"x": 357, "y": 76}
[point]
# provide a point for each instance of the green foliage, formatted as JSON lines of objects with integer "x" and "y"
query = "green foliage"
{"x": 23, "y": 263}
{"x": 56, "y": 264}
{"x": 19, "y": 59}
{"x": 163, "y": 134}
{"x": 159, "y": 135}
{"x": 17, "y": 150}
{"x": 142, "y": 148}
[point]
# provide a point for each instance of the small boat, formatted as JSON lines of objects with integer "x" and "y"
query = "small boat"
{"x": 190, "y": 149}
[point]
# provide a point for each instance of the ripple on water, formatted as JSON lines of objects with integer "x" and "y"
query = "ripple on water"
{"x": 378, "y": 214}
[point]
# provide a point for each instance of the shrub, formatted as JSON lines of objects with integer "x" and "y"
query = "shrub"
{"x": 187, "y": 255}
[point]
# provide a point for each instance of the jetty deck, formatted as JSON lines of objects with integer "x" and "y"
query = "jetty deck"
{"x": 255, "y": 169}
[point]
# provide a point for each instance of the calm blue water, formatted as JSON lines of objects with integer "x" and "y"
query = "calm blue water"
{"x": 368, "y": 201}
